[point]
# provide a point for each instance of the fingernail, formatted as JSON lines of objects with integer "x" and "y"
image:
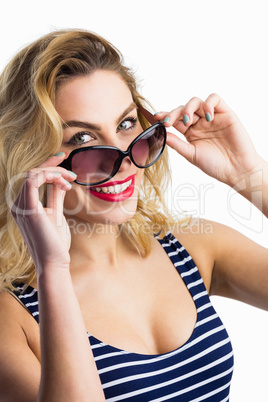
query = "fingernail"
{"x": 72, "y": 173}
{"x": 185, "y": 119}
{"x": 57, "y": 173}
{"x": 59, "y": 154}
{"x": 157, "y": 113}
{"x": 166, "y": 119}
{"x": 68, "y": 184}
{"x": 208, "y": 117}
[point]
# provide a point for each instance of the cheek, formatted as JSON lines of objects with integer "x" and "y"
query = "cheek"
{"x": 140, "y": 152}
{"x": 80, "y": 204}
{"x": 72, "y": 202}
{"x": 138, "y": 179}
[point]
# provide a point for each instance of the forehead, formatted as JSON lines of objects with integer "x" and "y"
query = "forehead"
{"x": 95, "y": 96}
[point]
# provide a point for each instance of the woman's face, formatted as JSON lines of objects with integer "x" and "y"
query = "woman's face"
{"x": 98, "y": 109}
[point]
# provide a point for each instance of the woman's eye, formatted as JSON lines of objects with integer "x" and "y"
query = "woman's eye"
{"x": 127, "y": 124}
{"x": 80, "y": 138}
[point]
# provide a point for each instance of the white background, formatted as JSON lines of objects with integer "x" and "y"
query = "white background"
{"x": 181, "y": 49}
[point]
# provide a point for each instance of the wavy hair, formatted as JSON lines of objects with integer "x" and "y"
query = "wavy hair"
{"x": 31, "y": 131}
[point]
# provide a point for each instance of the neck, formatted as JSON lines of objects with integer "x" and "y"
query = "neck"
{"x": 96, "y": 245}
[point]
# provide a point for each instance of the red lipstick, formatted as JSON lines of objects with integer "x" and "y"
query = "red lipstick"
{"x": 127, "y": 193}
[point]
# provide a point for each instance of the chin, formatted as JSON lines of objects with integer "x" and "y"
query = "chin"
{"x": 94, "y": 210}
{"x": 116, "y": 216}
{"x": 118, "y": 220}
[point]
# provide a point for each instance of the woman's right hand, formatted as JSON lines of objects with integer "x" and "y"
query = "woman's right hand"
{"x": 44, "y": 229}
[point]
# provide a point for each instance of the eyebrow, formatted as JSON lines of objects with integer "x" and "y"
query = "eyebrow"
{"x": 96, "y": 127}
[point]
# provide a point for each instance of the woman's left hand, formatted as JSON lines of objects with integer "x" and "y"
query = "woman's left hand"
{"x": 217, "y": 142}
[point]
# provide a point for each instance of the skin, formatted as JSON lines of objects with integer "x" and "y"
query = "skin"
{"x": 105, "y": 287}
{"x": 94, "y": 101}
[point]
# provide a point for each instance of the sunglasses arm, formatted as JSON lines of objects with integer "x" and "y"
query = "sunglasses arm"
{"x": 148, "y": 116}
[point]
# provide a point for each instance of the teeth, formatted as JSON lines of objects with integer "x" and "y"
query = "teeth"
{"x": 118, "y": 188}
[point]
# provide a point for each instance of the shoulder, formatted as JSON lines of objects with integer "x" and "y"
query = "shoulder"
{"x": 11, "y": 310}
{"x": 230, "y": 264}
{"x": 204, "y": 240}
{"x": 11, "y": 321}
{"x": 202, "y": 231}
{"x": 18, "y": 363}
{"x": 15, "y": 320}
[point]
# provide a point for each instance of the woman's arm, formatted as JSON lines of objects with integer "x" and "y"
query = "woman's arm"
{"x": 68, "y": 370}
{"x": 240, "y": 269}
{"x": 254, "y": 186}
{"x": 19, "y": 363}
{"x": 219, "y": 145}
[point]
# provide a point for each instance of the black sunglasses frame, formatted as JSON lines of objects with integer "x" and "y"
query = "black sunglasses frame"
{"x": 67, "y": 163}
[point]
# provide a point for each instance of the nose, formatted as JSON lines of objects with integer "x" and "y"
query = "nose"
{"x": 125, "y": 164}
{"x": 123, "y": 145}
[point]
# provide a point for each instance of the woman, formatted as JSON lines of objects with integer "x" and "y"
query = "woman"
{"x": 123, "y": 303}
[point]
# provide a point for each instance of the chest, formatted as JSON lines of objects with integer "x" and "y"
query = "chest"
{"x": 145, "y": 308}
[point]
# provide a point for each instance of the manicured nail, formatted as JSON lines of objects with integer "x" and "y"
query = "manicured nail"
{"x": 68, "y": 184}
{"x": 57, "y": 173}
{"x": 72, "y": 173}
{"x": 166, "y": 119}
{"x": 59, "y": 154}
{"x": 157, "y": 113}
{"x": 185, "y": 119}
{"x": 208, "y": 117}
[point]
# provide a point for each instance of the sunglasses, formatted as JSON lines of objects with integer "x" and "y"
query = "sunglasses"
{"x": 98, "y": 164}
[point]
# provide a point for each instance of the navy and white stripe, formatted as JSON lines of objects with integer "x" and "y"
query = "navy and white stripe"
{"x": 200, "y": 370}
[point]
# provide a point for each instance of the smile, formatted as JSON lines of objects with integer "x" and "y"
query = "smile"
{"x": 115, "y": 191}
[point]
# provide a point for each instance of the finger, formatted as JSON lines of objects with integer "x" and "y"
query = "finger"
{"x": 52, "y": 164}
{"x": 39, "y": 177}
{"x": 55, "y": 198}
{"x": 194, "y": 110}
{"x": 53, "y": 160}
{"x": 35, "y": 180}
{"x": 169, "y": 118}
{"x": 53, "y": 170}
{"x": 215, "y": 103}
{"x": 163, "y": 117}
{"x": 182, "y": 147}
{"x": 178, "y": 119}
{"x": 56, "y": 191}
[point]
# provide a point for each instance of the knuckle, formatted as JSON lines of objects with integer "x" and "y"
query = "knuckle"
{"x": 28, "y": 182}
{"x": 213, "y": 98}
{"x": 177, "y": 111}
{"x": 195, "y": 99}
{"x": 33, "y": 172}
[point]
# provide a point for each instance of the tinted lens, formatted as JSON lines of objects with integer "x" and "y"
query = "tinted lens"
{"x": 94, "y": 165}
{"x": 149, "y": 147}
{"x": 98, "y": 164}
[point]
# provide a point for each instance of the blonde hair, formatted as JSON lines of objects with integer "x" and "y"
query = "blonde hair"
{"x": 31, "y": 131}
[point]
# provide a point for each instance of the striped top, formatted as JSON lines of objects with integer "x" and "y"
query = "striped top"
{"x": 200, "y": 370}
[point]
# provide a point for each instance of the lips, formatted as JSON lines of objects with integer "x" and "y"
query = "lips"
{"x": 114, "y": 191}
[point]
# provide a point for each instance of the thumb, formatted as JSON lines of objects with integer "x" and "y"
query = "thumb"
{"x": 55, "y": 198}
{"x": 182, "y": 147}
